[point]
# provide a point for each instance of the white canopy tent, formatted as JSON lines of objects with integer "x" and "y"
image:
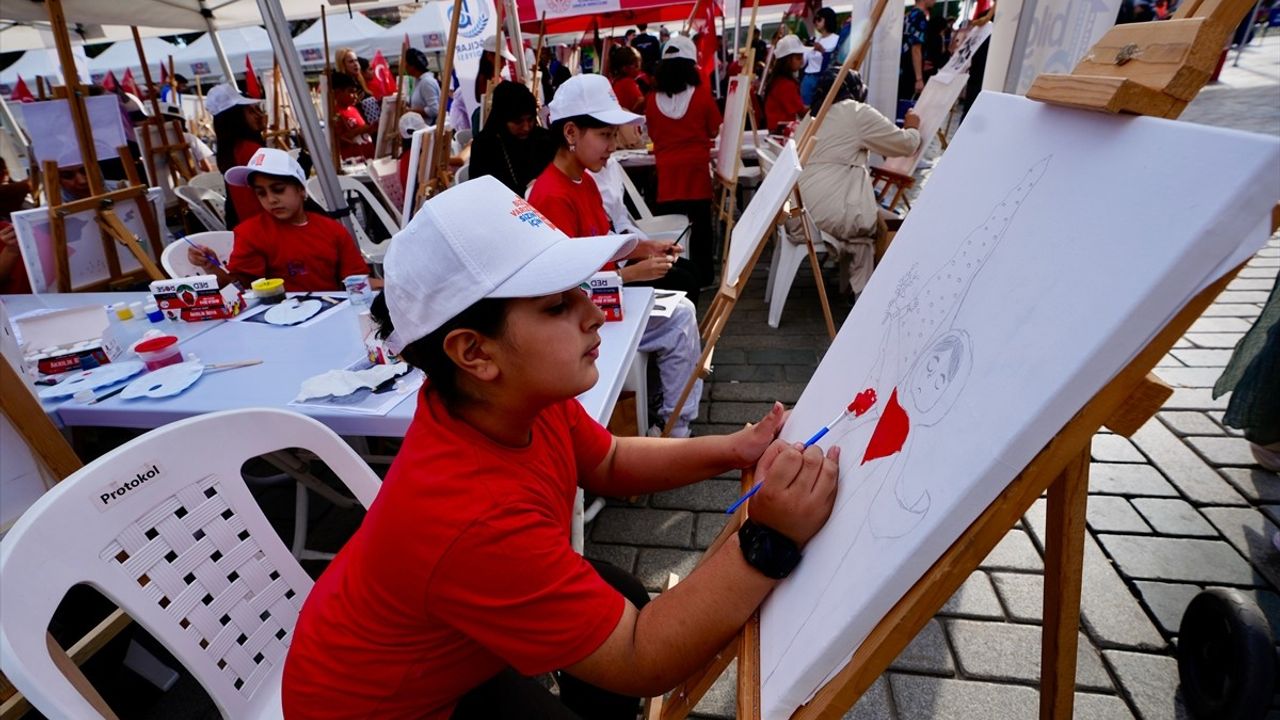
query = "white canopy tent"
{"x": 33, "y": 64}
{"x": 16, "y": 36}
{"x": 428, "y": 28}
{"x": 201, "y": 57}
{"x": 354, "y": 31}
{"x": 124, "y": 55}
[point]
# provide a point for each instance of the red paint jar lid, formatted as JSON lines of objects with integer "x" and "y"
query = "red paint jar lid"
{"x": 155, "y": 344}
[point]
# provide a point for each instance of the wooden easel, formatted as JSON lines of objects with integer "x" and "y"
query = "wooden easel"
{"x": 280, "y": 123}
{"x": 100, "y": 199}
{"x": 177, "y": 154}
{"x": 438, "y": 175}
{"x": 1176, "y": 50}
{"x": 726, "y": 189}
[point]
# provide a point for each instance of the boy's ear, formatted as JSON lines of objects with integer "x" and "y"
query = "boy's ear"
{"x": 465, "y": 347}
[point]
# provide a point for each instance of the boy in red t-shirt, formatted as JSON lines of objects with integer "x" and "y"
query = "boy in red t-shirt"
{"x": 461, "y": 583}
{"x": 354, "y": 134}
{"x": 309, "y": 251}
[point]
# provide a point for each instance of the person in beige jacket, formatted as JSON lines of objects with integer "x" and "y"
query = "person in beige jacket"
{"x": 835, "y": 185}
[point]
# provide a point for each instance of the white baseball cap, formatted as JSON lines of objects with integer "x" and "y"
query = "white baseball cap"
{"x": 479, "y": 240}
{"x": 680, "y": 46}
{"x": 590, "y": 94}
{"x": 268, "y": 161}
{"x": 224, "y": 97}
{"x": 788, "y": 45}
{"x": 492, "y": 43}
{"x": 410, "y": 123}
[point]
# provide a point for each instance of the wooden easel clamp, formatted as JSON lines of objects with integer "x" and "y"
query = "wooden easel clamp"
{"x": 1062, "y": 467}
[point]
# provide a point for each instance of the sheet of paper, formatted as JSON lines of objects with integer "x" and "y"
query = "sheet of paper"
{"x": 1027, "y": 274}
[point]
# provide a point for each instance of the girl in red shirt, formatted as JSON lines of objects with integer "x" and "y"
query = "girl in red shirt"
{"x": 624, "y": 68}
{"x": 238, "y": 123}
{"x": 683, "y": 119}
{"x": 461, "y": 586}
{"x": 782, "y": 100}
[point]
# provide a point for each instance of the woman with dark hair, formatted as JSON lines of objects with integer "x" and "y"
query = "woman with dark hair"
{"x": 238, "y": 123}
{"x": 683, "y": 119}
{"x": 782, "y": 101}
{"x": 624, "y": 68}
{"x": 512, "y": 147}
{"x": 835, "y": 185}
{"x": 818, "y": 57}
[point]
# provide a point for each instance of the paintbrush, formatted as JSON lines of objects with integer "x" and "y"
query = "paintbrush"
{"x": 861, "y": 403}
{"x": 208, "y": 254}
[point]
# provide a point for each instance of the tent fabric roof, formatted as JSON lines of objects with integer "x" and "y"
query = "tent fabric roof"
{"x": 198, "y": 58}
{"x": 124, "y": 54}
{"x": 180, "y": 14}
{"x": 32, "y": 64}
{"x": 355, "y": 31}
{"x": 428, "y": 28}
{"x": 30, "y": 36}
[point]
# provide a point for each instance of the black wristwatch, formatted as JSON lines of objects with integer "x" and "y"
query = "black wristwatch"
{"x": 768, "y": 550}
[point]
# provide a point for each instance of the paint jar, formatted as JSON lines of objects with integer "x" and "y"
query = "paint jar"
{"x": 154, "y": 313}
{"x": 358, "y": 290}
{"x": 158, "y": 352}
{"x": 269, "y": 291}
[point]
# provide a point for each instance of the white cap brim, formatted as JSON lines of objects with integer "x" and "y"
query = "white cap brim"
{"x": 564, "y": 266}
{"x": 617, "y": 117}
{"x": 237, "y": 102}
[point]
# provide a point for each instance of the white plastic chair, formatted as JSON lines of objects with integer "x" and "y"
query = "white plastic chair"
{"x": 165, "y": 528}
{"x": 373, "y": 252}
{"x": 463, "y": 174}
{"x": 174, "y": 258}
{"x": 788, "y": 253}
{"x": 208, "y": 206}
{"x": 655, "y": 227}
{"x": 210, "y": 181}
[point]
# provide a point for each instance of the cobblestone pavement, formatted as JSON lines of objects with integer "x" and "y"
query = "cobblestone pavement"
{"x": 1178, "y": 507}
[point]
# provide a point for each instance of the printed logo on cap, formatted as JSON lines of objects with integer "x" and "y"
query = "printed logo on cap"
{"x": 470, "y": 24}
{"x": 526, "y": 213}
{"x": 258, "y": 159}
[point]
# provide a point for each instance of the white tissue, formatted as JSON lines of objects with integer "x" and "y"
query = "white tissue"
{"x": 339, "y": 383}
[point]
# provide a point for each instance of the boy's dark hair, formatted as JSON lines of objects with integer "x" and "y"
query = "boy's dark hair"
{"x": 675, "y": 75}
{"x": 417, "y": 59}
{"x": 342, "y": 81}
{"x": 363, "y": 63}
{"x": 487, "y": 317}
{"x": 585, "y": 122}
{"x": 622, "y": 57}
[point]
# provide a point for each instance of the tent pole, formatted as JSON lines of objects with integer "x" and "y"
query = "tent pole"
{"x": 308, "y": 122}
{"x": 217, "y": 46}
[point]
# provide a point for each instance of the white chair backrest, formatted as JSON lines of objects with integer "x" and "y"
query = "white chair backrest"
{"x": 636, "y": 198}
{"x": 208, "y": 206}
{"x": 174, "y": 258}
{"x": 462, "y": 137}
{"x": 165, "y": 527}
{"x": 210, "y": 181}
{"x": 766, "y": 156}
{"x": 386, "y": 179}
{"x": 463, "y": 174}
{"x": 373, "y": 252}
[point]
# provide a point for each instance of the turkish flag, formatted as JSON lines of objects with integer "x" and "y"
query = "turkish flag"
{"x": 128, "y": 84}
{"x": 252, "y": 88}
{"x": 384, "y": 83}
{"x": 21, "y": 93}
{"x": 109, "y": 82}
{"x": 704, "y": 32}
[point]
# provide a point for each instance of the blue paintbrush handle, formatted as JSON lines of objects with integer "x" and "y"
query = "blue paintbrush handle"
{"x": 816, "y": 437}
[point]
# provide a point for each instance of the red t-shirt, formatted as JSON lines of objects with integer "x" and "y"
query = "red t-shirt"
{"x": 782, "y": 102}
{"x": 576, "y": 208}
{"x": 402, "y": 169}
{"x": 17, "y": 282}
{"x": 629, "y": 94}
{"x": 682, "y": 148}
{"x": 462, "y": 567}
{"x": 309, "y": 258}
{"x": 241, "y": 196}
{"x": 351, "y": 118}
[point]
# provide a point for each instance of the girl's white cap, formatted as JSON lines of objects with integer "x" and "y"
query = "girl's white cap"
{"x": 590, "y": 94}
{"x": 479, "y": 240}
{"x": 680, "y": 46}
{"x": 788, "y": 45}
{"x": 268, "y": 161}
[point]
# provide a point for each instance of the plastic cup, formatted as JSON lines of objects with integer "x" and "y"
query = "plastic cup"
{"x": 358, "y": 290}
{"x": 158, "y": 352}
{"x": 269, "y": 291}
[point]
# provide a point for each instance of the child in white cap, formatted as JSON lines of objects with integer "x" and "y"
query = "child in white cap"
{"x": 461, "y": 585}
{"x": 307, "y": 250}
{"x": 782, "y": 100}
{"x": 585, "y": 116}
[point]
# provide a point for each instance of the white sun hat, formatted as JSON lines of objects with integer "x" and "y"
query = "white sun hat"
{"x": 224, "y": 97}
{"x": 590, "y": 94}
{"x": 479, "y": 240}
{"x": 268, "y": 161}
{"x": 680, "y": 46}
{"x": 788, "y": 45}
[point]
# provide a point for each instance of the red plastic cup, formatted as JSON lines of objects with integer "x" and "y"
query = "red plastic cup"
{"x": 158, "y": 352}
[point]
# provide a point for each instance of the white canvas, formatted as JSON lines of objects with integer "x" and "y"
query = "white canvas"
{"x": 388, "y": 127}
{"x": 1027, "y": 275}
{"x": 934, "y": 107}
{"x": 757, "y": 219}
{"x": 880, "y": 68}
{"x": 960, "y": 60}
{"x": 735, "y": 115}
{"x": 420, "y": 149}
{"x": 57, "y": 137}
{"x": 85, "y": 253}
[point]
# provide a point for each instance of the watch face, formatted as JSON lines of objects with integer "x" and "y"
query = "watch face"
{"x": 767, "y": 550}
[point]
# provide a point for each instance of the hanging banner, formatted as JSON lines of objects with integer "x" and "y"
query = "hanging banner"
{"x": 570, "y": 8}
{"x": 476, "y": 29}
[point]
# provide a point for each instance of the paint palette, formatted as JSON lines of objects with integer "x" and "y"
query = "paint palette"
{"x": 92, "y": 379}
{"x": 165, "y": 382}
{"x": 292, "y": 312}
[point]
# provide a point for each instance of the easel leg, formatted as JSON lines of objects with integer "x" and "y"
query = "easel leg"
{"x": 1063, "y": 567}
{"x": 817, "y": 279}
